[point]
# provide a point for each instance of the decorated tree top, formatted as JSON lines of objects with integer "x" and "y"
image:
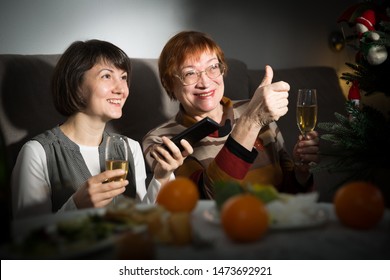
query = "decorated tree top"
{"x": 370, "y": 21}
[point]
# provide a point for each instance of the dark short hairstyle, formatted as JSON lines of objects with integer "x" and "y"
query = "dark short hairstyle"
{"x": 78, "y": 58}
{"x": 182, "y": 46}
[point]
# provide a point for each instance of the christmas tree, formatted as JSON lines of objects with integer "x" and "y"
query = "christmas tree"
{"x": 361, "y": 138}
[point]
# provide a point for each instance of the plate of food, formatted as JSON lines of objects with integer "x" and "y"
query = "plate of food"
{"x": 296, "y": 212}
{"x": 287, "y": 212}
{"x": 74, "y": 235}
{"x": 85, "y": 233}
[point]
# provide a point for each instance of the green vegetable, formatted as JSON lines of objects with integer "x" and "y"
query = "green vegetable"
{"x": 224, "y": 190}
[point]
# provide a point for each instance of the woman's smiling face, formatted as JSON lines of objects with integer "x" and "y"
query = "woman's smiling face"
{"x": 202, "y": 98}
{"x": 105, "y": 89}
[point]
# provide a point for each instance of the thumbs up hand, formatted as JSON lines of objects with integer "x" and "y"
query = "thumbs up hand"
{"x": 268, "y": 76}
{"x": 269, "y": 101}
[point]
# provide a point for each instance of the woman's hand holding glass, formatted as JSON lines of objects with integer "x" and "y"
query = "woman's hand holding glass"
{"x": 98, "y": 192}
{"x": 101, "y": 189}
{"x": 306, "y": 150}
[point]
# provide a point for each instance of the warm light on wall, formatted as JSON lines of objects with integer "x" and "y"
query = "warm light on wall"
{"x": 336, "y": 41}
{"x": 343, "y": 85}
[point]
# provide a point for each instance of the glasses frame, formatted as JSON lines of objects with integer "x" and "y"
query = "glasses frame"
{"x": 199, "y": 73}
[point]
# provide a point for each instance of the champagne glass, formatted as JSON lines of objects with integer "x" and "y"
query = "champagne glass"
{"x": 306, "y": 112}
{"x": 117, "y": 156}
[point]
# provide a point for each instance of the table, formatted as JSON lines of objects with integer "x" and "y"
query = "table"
{"x": 329, "y": 241}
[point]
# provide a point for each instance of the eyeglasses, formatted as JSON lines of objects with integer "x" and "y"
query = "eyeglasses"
{"x": 192, "y": 76}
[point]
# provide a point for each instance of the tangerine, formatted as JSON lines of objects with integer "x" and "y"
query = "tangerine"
{"x": 244, "y": 217}
{"x": 359, "y": 204}
{"x": 178, "y": 195}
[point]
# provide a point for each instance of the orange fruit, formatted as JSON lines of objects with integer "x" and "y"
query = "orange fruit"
{"x": 244, "y": 218}
{"x": 178, "y": 195}
{"x": 359, "y": 204}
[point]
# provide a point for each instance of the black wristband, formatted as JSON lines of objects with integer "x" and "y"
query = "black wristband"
{"x": 235, "y": 148}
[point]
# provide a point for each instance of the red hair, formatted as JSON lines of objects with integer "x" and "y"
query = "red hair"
{"x": 181, "y": 47}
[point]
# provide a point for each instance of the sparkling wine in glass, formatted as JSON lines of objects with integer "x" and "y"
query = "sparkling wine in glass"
{"x": 117, "y": 156}
{"x": 307, "y": 110}
{"x": 306, "y": 113}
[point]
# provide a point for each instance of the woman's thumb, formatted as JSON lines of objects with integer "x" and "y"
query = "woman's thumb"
{"x": 268, "y": 76}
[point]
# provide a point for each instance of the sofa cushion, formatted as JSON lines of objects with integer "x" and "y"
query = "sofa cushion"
{"x": 25, "y": 101}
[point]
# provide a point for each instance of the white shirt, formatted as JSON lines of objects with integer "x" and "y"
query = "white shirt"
{"x": 30, "y": 184}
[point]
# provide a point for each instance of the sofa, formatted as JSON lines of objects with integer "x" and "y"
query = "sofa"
{"x": 26, "y": 107}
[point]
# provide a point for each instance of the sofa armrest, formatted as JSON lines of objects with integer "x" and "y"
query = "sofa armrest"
{"x": 26, "y": 106}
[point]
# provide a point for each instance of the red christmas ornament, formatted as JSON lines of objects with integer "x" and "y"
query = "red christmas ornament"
{"x": 354, "y": 93}
{"x": 367, "y": 19}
